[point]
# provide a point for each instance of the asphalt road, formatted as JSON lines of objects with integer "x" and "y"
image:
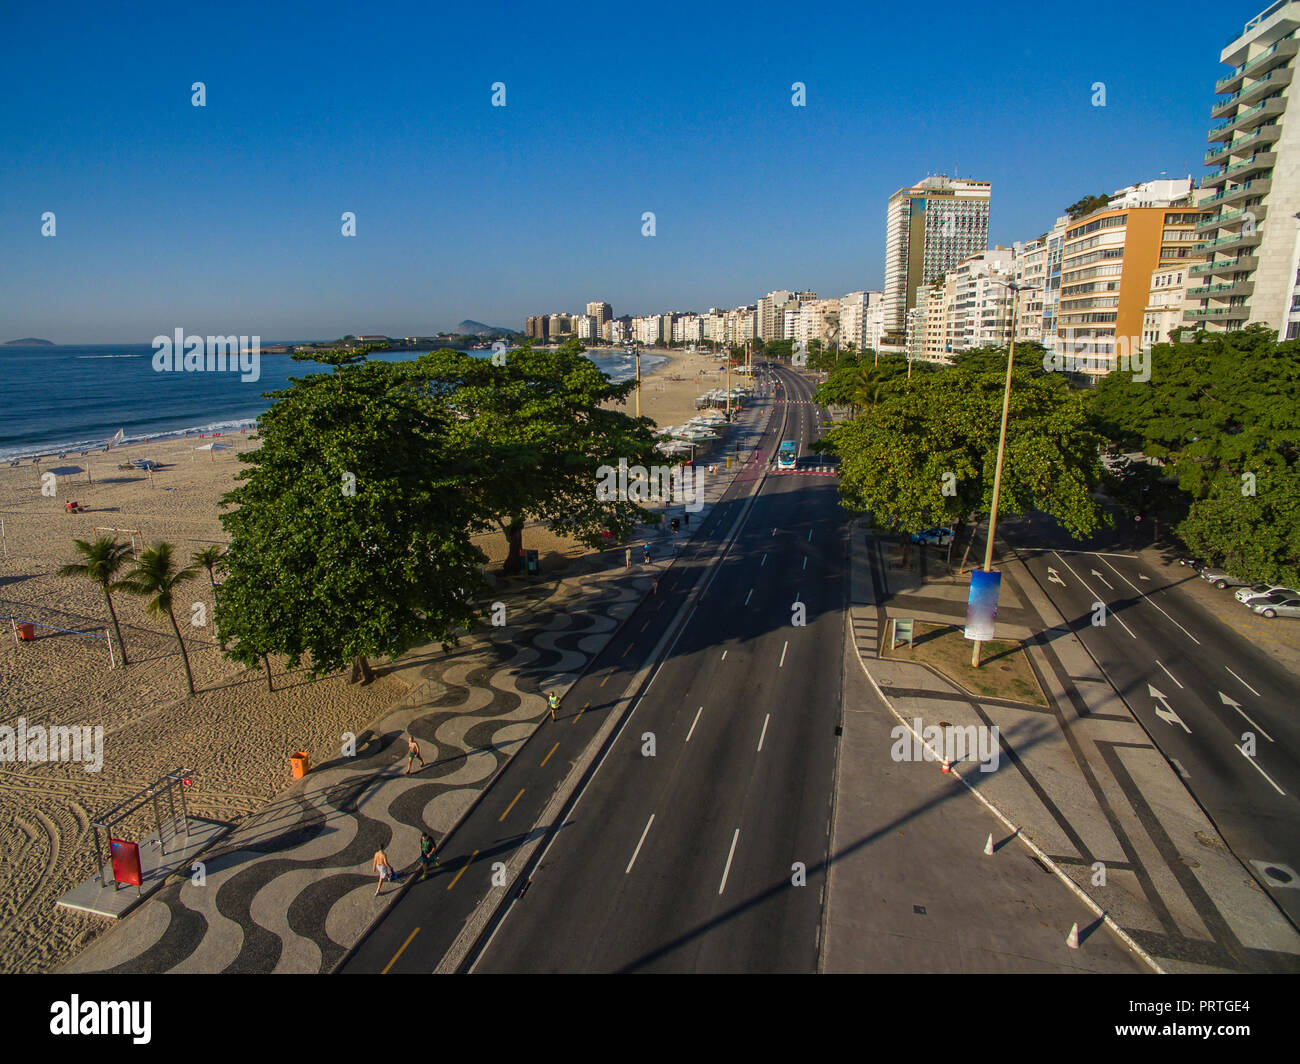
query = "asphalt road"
{"x": 1198, "y": 687}
{"x": 421, "y": 926}
{"x": 685, "y": 861}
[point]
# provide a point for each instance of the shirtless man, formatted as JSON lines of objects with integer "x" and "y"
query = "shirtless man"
{"x": 412, "y": 754}
{"x": 380, "y": 864}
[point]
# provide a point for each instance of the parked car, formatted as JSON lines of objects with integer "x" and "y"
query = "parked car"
{"x": 1221, "y": 579}
{"x": 1278, "y": 606}
{"x": 1261, "y": 591}
{"x": 941, "y": 537}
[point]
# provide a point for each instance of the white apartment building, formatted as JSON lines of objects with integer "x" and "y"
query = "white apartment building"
{"x": 587, "y": 327}
{"x": 1252, "y": 239}
{"x": 1031, "y": 277}
{"x": 1055, "y": 241}
{"x": 929, "y": 228}
{"x": 875, "y": 322}
{"x": 980, "y": 314}
{"x": 646, "y": 329}
{"x": 688, "y": 329}
{"x": 1166, "y": 304}
{"x": 771, "y": 314}
{"x": 855, "y": 318}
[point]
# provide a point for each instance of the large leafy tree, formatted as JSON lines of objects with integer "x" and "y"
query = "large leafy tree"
{"x": 926, "y": 452}
{"x": 350, "y": 527}
{"x": 531, "y": 435}
{"x": 1222, "y": 414}
{"x": 1254, "y": 529}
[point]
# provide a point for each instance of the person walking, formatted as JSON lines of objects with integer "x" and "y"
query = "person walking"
{"x": 427, "y": 850}
{"x": 381, "y": 865}
{"x": 646, "y": 556}
{"x": 654, "y": 585}
{"x": 553, "y": 703}
{"x": 686, "y": 516}
{"x": 412, "y": 754}
{"x": 627, "y": 558}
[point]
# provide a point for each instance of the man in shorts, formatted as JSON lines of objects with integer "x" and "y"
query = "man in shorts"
{"x": 412, "y": 754}
{"x": 380, "y": 864}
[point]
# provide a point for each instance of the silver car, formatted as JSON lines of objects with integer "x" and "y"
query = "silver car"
{"x": 1221, "y": 579}
{"x": 1252, "y": 595}
{"x": 1278, "y": 606}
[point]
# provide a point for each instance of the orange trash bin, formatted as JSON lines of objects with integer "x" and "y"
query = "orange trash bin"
{"x": 299, "y": 764}
{"x": 27, "y": 632}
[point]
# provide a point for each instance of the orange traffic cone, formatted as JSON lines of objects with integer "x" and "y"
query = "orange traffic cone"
{"x": 1072, "y": 940}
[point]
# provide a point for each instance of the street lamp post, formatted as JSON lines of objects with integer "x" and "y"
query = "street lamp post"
{"x": 636, "y": 352}
{"x": 1016, "y": 289}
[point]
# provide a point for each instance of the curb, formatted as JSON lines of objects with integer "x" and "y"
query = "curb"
{"x": 1034, "y": 849}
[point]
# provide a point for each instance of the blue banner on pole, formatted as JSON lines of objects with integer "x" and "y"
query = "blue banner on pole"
{"x": 982, "y": 606}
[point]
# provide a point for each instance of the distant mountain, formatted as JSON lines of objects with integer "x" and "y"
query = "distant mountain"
{"x": 29, "y": 341}
{"x": 477, "y": 328}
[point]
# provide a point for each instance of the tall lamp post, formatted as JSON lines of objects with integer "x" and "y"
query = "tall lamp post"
{"x": 636, "y": 353}
{"x": 1016, "y": 288}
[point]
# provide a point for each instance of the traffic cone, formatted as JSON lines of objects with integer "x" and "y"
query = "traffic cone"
{"x": 947, "y": 766}
{"x": 988, "y": 846}
{"x": 1073, "y": 939}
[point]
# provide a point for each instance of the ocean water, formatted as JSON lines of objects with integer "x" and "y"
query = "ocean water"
{"x": 64, "y": 398}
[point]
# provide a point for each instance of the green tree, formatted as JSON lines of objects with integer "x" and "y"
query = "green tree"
{"x": 154, "y": 578}
{"x": 101, "y": 561}
{"x": 349, "y": 530}
{"x": 1253, "y": 529}
{"x": 532, "y": 436}
{"x": 925, "y": 454}
{"x": 209, "y": 558}
{"x": 1087, "y": 205}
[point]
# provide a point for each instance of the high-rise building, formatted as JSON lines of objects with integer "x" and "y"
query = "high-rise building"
{"x": 1107, "y": 261}
{"x": 559, "y": 325}
{"x": 1252, "y": 236}
{"x": 771, "y": 314}
{"x": 536, "y": 327}
{"x": 1055, "y": 241}
{"x": 980, "y": 313}
{"x": 601, "y": 312}
{"x": 1031, "y": 276}
{"x": 929, "y": 228}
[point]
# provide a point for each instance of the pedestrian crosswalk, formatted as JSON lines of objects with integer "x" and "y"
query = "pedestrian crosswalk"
{"x": 828, "y": 471}
{"x": 866, "y": 629}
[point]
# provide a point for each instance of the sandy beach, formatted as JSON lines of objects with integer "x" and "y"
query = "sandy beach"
{"x": 234, "y": 736}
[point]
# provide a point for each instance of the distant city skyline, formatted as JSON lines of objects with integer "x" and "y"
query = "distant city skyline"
{"x": 226, "y": 218}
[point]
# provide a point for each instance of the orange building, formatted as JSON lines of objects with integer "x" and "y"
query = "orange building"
{"x": 1106, "y": 266}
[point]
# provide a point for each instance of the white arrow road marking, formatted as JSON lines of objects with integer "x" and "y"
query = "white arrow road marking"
{"x": 1237, "y": 706}
{"x": 1094, "y": 594}
{"x": 1149, "y": 601}
{"x": 1170, "y": 675}
{"x": 1167, "y": 714}
{"x": 1054, "y": 576}
{"x": 1244, "y": 683}
{"x": 1261, "y": 771}
{"x": 723, "y": 885}
{"x": 1101, "y": 578}
{"x": 638, "y": 845}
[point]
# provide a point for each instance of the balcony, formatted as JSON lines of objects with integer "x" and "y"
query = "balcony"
{"x": 1263, "y": 135}
{"x": 1221, "y": 313}
{"x": 1227, "y": 243}
{"x": 1225, "y": 266}
{"x": 1232, "y": 219}
{"x": 1230, "y": 195}
{"x": 1248, "y": 119}
{"x": 1264, "y": 160}
{"x": 1222, "y": 291}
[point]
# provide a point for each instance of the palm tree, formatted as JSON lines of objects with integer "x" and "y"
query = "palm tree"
{"x": 154, "y": 578}
{"x": 103, "y": 558}
{"x": 209, "y": 558}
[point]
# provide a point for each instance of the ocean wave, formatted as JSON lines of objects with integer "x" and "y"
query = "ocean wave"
{"x": 81, "y": 357}
{"x": 70, "y": 447}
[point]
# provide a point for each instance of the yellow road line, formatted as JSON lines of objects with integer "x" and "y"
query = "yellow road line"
{"x": 400, "y": 951}
{"x": 511, "y": 805}
{"x": 462, "y": 870}
{"x": 581, "y": 712}
{"x": 607, "y": 676}
{"x": 548, "y": 756}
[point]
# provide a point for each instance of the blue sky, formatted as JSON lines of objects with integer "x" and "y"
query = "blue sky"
{"x": 227, "y": 218}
